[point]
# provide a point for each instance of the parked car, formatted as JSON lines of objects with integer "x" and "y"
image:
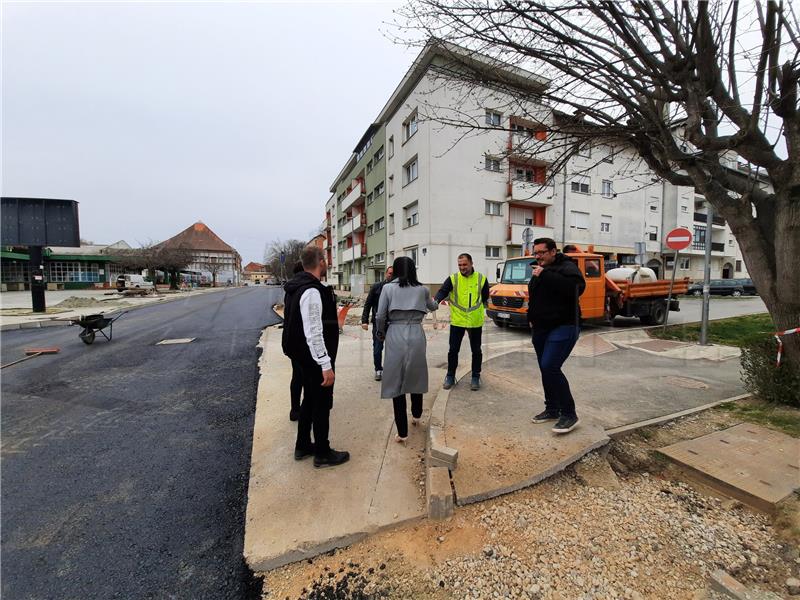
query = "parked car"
{"x": 132, "y": 282}
{"x": 724, "y": 287}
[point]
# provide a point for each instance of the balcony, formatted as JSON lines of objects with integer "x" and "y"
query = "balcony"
{"x": 347, "y": 229}
{"x": 703, "y": 218}
{"x": 355, "y": 197}
{"x": 355, "y": 253}
{"x": 533, "y": 194}
{"x": 359, "y": 222}
{"x": 515, "y": 232}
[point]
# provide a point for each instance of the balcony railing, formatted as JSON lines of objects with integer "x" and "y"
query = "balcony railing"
{"x": 354, "y": 197}
{"x": 703, "y": 218}
{"x": 715, "y": 247}
{"x": 530, "y": 192}
{"x": 515, "y": 232}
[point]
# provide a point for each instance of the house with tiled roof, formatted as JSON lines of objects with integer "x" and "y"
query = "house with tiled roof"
{"x": 256, "y": 273}
{"x": 217, "y": 262}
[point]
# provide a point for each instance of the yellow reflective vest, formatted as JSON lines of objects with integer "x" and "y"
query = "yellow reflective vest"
{"x": 466, "y": 305}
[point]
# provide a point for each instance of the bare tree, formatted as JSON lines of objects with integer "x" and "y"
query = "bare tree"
{"x": 290, "y": 249}
{"x": 152, "y": 258}
{"x": 684, "y": 84}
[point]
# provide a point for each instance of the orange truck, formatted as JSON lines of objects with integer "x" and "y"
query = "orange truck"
{"x": 603, "y": 298}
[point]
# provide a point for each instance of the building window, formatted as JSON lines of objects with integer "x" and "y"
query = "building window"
{"x": 411, "y": 215}
{"x": 378, "y": 189}
{"x": 493, "y": 252}
{"x": 410, "y": 171}
{"x": 582, "y": 186}
{"x": 494, "y": 208}
{"x": 391, "y": 224}
{"x": 370, "y": 230}
{"x": 531, "y": 174}
{"x": 609, "y": 153}
{"x": 410, "y": 126}
{"x": 391, "y": 186}
{"x": 380, "y": 224}
{"x": 653, "y": 233}
{"x": 391, "y": 146}
{"x": 684, "y": 208}
{"x": 580, "y": 220}
{"x": 493, "y": 118}
{"x": 699, "y": 238}
{"x": 378, "y": 155}
{"x": 607, "y": 190}
{"x": 738, "y": 266}
{"x": 605, "y": 223}
{"x": 370, "y": 198}
{"x": 730, "y": 242}
{"x": 653, "y": 207}
{"x": 380, "y": 258}
{"x": 412, "y": 253}
{"x": 684, "y": 264}
{"x": 492, "y": 164}
{"x": 369, "y": 166}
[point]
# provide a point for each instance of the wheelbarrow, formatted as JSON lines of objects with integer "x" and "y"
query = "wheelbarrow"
{"x": 91, "y": 324}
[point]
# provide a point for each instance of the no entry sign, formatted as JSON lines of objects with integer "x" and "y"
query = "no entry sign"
{"x": 679, "y": 238}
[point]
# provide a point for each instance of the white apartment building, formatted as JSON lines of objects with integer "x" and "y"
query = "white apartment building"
{"x": 452, "y": 189}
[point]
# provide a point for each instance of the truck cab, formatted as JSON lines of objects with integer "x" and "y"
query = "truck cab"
{"x": 508, "y": 299}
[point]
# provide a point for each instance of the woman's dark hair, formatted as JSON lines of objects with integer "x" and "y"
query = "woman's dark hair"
{"x": 298, "y": 268}
{"x": 405, "y": 271}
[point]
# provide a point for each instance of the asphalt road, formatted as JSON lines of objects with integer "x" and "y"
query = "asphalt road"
{"x": 125, "y": 464}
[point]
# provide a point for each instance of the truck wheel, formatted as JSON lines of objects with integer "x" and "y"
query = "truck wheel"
{"x": 658, "y": 314}
{"x": 697, "y": 293}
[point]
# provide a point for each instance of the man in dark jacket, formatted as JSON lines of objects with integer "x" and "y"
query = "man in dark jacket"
{"x": 555, "y": 316}
{"x": 368, "y": 315}
{"x": 311, "y": 339}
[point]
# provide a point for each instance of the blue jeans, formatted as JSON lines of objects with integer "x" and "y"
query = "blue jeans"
{"x": 552, "y": 349}
{"x": 377, "y": 350}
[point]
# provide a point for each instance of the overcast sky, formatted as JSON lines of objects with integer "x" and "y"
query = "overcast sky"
{"x": 156, "y": 115}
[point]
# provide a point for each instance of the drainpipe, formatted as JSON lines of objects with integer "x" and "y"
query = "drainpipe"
{"x": 564, "y": 209}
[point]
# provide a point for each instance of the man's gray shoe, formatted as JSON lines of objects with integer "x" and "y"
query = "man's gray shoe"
{"x": 378, "y": 375}
{"x": 449, "y": 381}
{"x": 565, "y": 424}
{"x": 545, "y": 416}
{"x": 475, "y": 384}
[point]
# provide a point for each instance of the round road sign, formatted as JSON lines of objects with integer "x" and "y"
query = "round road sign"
{"x": 679, "y": 238}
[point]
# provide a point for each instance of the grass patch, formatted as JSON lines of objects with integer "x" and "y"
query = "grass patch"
{"x": 735, "y": 331}
{"x": 782, "y": 418}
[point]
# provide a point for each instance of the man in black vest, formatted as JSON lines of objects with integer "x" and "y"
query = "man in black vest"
{"x": 311, "y": 339}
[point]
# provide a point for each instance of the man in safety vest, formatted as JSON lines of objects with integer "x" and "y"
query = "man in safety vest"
{"x": 467, "y": 292}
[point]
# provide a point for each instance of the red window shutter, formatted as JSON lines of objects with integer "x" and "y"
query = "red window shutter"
{"x": 539, "y": 174}
{"x": 541, "y": 135}
{"x": 539, "y": 215}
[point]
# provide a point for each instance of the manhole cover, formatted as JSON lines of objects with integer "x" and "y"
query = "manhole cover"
{"x": 686, "y": 382}
{"x": 175, "y": 341}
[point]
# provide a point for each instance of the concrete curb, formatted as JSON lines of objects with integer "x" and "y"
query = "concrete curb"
{"x": 61, "y": 322}
{"x": 617, "y": 431}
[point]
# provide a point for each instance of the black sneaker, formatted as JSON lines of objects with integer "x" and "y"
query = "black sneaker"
{"x": 545, "y": 416}
{"x": 331, "y": 458}
{"x": 449, "y": 381}
{"x": 301, "y": 453}
{"x": 565, "y": 424}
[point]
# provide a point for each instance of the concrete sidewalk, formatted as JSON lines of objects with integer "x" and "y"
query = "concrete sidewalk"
{"x": 479, "y": 444}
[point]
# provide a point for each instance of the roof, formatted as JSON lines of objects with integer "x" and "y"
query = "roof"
{"x": 254, "y": 267}
{"x": 197, "y": 237}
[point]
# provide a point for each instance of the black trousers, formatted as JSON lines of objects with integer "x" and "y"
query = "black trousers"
{"x": 400, "y": 416}
{"x": 456, "y": 337}
{"x": 314, "y": 411}
{"x": 296, "y": 386}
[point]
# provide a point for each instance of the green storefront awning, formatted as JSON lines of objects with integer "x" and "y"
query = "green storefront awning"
{"x": 14, "y": 255}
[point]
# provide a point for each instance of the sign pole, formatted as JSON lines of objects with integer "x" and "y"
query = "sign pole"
{"x": 38, "y": 284}
{"x": 671, "y": 285}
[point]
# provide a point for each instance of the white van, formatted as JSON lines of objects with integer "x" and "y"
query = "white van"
{"x": 133, "y": 282}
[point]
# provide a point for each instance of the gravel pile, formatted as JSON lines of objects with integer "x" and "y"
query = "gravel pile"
{"x": 562, "y": 539}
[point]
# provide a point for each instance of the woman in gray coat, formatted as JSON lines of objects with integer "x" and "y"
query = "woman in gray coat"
{"x": 403, "y": 304}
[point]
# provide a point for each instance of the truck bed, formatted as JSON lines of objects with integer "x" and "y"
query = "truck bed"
{"x": 653, "y": 289}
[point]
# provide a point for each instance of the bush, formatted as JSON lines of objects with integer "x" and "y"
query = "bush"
{"x": 764, "y": 379}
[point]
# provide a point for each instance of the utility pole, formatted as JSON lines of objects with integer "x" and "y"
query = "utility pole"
{"x": 706, "y": 277}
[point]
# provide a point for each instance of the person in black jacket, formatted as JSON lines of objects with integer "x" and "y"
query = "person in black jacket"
{"x": 368, "y": 314}
{"x": 296, "y": 385}
{"x": 311, "y": 338}
{"x": 555, "y": 316}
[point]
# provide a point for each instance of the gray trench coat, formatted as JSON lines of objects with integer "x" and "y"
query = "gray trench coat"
{"x": 399, "y": 319}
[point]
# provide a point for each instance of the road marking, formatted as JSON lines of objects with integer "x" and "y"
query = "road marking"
{"x": 175, "y": 341}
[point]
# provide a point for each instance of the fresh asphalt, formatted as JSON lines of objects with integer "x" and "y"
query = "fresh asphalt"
{"x": 125, "y": 464}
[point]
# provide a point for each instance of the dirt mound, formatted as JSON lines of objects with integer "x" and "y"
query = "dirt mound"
{"x": 77, "y": 302}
